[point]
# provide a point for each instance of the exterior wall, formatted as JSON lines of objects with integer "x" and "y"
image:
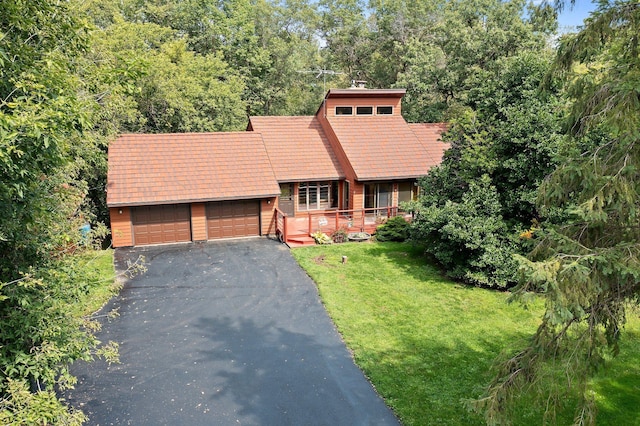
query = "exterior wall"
{"x": 268, "y": 216}
{"x": 121, "y": 227}
{"x": 331, "y": 104}
{"x": 357, "y": 195}
{"x": 198, "y": 222}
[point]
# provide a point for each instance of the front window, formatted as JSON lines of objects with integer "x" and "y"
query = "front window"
{"x": 364, "y": 110}
{"x": 384, "y": 110}
{"x": 344, "y": 110}
{"x": 314, "y": 195}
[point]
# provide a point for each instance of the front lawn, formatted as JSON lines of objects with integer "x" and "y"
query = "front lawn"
{"x": 427, "y": 343}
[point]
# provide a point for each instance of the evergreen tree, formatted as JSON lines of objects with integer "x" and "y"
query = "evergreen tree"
{"x": 587, "y": 261}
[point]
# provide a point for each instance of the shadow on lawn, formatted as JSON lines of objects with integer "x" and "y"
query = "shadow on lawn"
{"x": 407, "y": 256}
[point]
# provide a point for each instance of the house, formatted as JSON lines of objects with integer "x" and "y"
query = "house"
{"x": 355, "y": 160}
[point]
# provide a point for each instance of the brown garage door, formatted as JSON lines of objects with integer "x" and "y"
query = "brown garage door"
{"x": 228, "y": 219}
{"x": 161, "y": 224}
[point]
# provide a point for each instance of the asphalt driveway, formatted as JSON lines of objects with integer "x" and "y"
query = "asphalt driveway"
{"x": 224, "y": 333}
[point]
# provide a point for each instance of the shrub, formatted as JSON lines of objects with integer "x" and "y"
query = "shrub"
{"x": 321, "y": 238}
{"x": 470, "y": 239}
{"x": 395, "y": 229}
{"x": 339, "y": 235}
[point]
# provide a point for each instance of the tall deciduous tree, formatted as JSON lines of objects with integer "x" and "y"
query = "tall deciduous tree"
{"x": 587, "y": 265}
{"x": 43, "y": 145}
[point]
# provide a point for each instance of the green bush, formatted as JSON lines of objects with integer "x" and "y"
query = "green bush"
{"x": 339, "y": 235}
{"x": 395, "y": 229}
{"x": 470, "y": 239}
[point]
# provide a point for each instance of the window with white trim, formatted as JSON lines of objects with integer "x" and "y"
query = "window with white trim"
{"x": 314, "y": 195}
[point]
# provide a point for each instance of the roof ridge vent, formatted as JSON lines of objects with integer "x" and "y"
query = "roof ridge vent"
{"x": 358, "y": 84}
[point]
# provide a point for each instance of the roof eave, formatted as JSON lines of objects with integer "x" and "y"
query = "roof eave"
{"x": 387, "y": 178}
{"x": 188, "y": 201}
{"x": 365, "y": 93}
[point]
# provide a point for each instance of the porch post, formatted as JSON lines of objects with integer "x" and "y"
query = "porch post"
{"x": 284, "y": 227}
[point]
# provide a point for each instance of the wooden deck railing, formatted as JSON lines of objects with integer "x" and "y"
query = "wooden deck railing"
{"x": 352, "y": 220}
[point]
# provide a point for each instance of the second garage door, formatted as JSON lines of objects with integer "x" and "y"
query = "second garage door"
{"x": 229, "y": 219}
{"x": 161, "y": 224}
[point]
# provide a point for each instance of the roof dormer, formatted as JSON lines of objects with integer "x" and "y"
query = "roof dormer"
{"x": 360, "y": 102}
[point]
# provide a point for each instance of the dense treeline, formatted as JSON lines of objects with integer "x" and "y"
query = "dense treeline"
{"x": 75, "y": 73}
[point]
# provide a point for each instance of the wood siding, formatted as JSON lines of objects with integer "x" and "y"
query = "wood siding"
{"x": 121, "y": 231}
{"x": 198, "y": 222}
{"x": 267, "y": 216}
{"x": 332, "y": 103}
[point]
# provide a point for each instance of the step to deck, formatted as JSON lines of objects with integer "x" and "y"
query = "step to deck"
{"x": 300, "y": 241}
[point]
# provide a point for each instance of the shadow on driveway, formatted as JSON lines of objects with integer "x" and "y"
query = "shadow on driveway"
{"x": 224, "y": 333}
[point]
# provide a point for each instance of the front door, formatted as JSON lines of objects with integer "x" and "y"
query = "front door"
{"x": 286, "y": 200}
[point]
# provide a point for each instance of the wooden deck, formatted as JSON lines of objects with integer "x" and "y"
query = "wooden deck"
{"x": 296, "y": 231}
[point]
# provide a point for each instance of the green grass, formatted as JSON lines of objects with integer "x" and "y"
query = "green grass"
{"x": 101, "y": 283}
{"x": 427, "y": 343}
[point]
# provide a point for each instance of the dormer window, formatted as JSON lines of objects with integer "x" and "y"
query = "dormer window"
{"x": 344, "y": 110}
{"x": 364, "y": 110}
{"x": 384, "y": 110}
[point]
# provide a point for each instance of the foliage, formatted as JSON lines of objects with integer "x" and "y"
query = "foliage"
{"x": 263, "y": 45}
{"x": 586, "y": 263}
{"x": 391, "y": 308}
{"x": 321, "y": 238}
{"x": 483, "y": 194}
{"x": 436, "y": 49}
{"x": 394, "y": 229}
{"x": 469, "y": 238}
{"x": 339, "y": 235}
{"x": 22, "y": 407}
{"x": 46, "y": 152}
{"x": 46, "y": 321}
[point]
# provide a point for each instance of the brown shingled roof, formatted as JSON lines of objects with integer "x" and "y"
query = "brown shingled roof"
{"x": 187, "y": 167}
{"x": 298, "y": 148}
{"x": 383, "y": 147}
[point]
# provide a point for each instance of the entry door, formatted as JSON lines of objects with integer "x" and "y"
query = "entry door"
{"x": 384, "y": 196}
{"x": 286, "y": 200}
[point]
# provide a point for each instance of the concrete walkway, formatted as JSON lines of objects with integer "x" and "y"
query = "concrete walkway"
{"x": 224, "y": 333}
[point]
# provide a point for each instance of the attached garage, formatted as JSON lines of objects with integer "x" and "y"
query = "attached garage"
{"x": 170, "y": 188}
{"x": 161, "y": 224}
{"x": 230, "y": 219}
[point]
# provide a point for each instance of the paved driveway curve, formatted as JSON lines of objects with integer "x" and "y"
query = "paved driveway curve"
{"x": 224, "y": 333}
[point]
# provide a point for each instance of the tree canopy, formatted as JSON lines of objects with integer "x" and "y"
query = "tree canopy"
{"x": 586, "y": 261}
